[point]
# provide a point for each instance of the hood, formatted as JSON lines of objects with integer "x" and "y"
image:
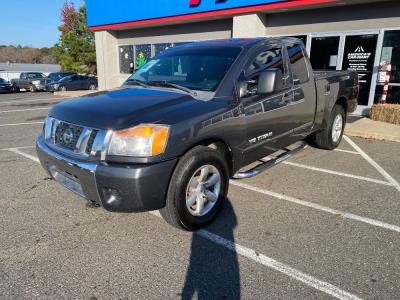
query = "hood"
{"x": 129, "y": 106}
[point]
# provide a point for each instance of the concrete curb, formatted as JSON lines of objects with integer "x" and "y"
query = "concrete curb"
{"x": 73, "y": 94}
{"x": 369, "y": 129}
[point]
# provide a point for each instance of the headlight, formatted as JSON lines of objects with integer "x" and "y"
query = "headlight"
{"x": 36, "y": 82}
{"x": 142, "y": 140}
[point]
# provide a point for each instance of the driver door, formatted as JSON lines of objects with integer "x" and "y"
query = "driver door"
{"x": 268, "y": 116}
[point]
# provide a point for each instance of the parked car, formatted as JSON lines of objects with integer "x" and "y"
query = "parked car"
{"x": 41, "y": 83}
{"x": 74, "y": 82}
{"x": 28, "y": 81}
{"x": 5, "y": 86}
{"x": 189, "y": 120}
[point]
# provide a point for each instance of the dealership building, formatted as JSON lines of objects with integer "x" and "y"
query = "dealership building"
{"x": 362, "y": 35}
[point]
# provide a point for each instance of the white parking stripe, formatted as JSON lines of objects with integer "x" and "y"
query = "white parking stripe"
{"x": 374, "y": 164}
{"x": 337, "y": 173}
{"x": 329, "y": 210}
{"x": 32, "y": 100}
{"x": 18, "y": 124}
{"x": 273, "y": 264}
{"x": 26, "y": 155}
{"x": 277, "y": 266}
{"x": 22, "y": 147}
{"x": 259, "y": 258}
{"x": 346, "y": 151}
{"x": 26, "y": 109}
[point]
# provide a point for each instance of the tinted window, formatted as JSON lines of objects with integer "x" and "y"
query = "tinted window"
{"x": 298, "y": 63}
{"x": 267, "y": 60}
{"x": 196, "y": 68}
{"x": 35, "y": 75}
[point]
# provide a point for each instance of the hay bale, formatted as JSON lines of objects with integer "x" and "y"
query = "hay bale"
{"x": 389, "y": 113}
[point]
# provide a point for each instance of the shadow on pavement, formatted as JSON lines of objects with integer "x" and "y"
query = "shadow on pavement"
{"x": 213, "y": 271}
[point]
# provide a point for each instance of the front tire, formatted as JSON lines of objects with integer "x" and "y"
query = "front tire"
{"x": 197, "y": 189}
{"x": 32, "y": 88}
{"x": 331, "y": 137}
{"x": 63, "y": 88}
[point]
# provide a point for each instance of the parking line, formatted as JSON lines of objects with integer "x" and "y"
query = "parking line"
{"x": 22, "y": 147}
{"x": 347, "y": 151}
{"x": 18, "y": 124}
{"x": 338, "y": 173}
{"x": 373, "y": 163}
{"x": 257, "y": 257}
{"x": 26, "y": 155}
{"x": 27, "y": 109}
{"x": 273, "y": 264}
{"x": 33, "y": 100}
{"x": 329, "y": 210}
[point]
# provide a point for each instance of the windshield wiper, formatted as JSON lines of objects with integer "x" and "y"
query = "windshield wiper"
{"x": 170, "y": 84}
{"x": 138, "y": 82}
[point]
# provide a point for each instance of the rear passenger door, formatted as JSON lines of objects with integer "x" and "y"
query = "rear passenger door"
{"x": 304, "y": 95}
{"x": 268, "y": 117}
{"x": 74, "y": 83}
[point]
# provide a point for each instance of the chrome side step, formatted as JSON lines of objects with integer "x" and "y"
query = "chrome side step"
{"x": 266, "y": 164}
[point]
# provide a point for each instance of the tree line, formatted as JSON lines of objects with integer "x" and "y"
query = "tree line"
{"x": 26, "y": 55}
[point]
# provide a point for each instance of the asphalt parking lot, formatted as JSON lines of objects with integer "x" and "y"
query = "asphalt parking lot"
{"x": 321, "y": 225}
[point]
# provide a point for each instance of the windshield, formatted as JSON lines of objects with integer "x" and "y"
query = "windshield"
{"x": 35, "y": 75}
{"x": 197, "y": 68}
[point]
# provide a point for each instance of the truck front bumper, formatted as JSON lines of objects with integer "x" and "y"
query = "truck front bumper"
{"x": 116, "y": 187}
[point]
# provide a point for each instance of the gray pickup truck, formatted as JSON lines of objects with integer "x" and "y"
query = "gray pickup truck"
{"x": 191, "y": 119}
{"x": 28, "y": 81}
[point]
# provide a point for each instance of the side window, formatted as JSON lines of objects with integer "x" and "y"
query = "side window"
{"x": 298, "y": 63}
{"x": 265, "y": 60}
{"x": 23, "y": 76}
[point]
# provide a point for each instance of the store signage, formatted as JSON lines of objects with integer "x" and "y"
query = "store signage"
{"x": 197, "y": 2}
{"x": 108, "y": 15}
{"x": 359, "y": 56}
{"x": 358, "y": 59}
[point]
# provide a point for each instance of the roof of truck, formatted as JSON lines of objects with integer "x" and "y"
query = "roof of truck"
{"x": 240, "y": 42}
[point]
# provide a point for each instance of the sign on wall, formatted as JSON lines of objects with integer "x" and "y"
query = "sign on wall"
{"x": 107, "y": 14}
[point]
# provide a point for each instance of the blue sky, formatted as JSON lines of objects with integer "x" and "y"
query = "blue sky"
{"x": 31, "y": 22}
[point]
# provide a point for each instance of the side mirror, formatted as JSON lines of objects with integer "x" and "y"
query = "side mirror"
{"x": 267, "y": 81}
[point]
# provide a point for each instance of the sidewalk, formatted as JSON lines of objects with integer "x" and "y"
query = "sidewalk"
{"x": 73, "y": 94}
{"x": 366, "y": 128}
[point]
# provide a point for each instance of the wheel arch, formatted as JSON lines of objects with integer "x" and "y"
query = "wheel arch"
{"x": 221, "y": 146}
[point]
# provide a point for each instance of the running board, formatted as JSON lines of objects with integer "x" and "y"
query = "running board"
{"x": 265, "y": 165}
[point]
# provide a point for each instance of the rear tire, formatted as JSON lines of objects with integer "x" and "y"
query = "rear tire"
{"x": 331, "y": 137}
{"x": 197, "y": 189}
{"x": 92, "y": 87}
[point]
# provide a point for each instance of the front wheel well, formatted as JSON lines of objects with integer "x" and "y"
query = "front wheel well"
{"x": 221, "y": 147}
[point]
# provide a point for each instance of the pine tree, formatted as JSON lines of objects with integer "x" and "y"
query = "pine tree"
{"x": 76, "y": 50}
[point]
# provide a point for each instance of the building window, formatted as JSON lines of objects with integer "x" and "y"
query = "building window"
{"x": 390, "y": 56}
{"x": 126, "y": 59}
{"x": 143, "y": 55}
{"x": 299, "y": 64}
{"x": 158, "y": 48}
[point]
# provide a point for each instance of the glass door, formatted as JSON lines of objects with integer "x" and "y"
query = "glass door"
{"x": 324, "y": 52}
{"x": 360, "y": 55}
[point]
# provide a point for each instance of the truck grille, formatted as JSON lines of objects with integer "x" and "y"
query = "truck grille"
{"x": 77, "y": 141}
{"x": 67, "y": 135}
